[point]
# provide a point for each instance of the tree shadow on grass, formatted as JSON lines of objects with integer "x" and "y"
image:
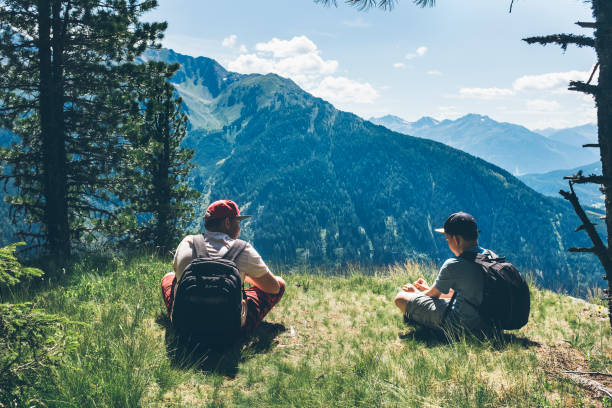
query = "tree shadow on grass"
{"x": 220, "y": 360}
{"x": 435, "y": 337}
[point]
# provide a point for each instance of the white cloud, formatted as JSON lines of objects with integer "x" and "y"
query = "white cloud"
{"x": 251, "y": 63}
{"x": 288, "y": 48}
{"x": 399, "y": 65}
{"x": 359, "y": 22}
{"x": 307, "y": 64}
{"x": 543, "y": 105}
{"x": 450, "y": 112}
{"x": 434, "y": 72}
{"x": 230, "y": 41}
{"x": 587, "y": 100}
{"x": 485, "y": 93}
{"x": 194, "y": 46}
{"x": 549, "y": 81}
{"x": 299, "y": 65}
{"x": 341, "y": 89}
{"x": 418, "y": 53}
{"x": 300, "y": 59}
{"x": 243, "y": 49}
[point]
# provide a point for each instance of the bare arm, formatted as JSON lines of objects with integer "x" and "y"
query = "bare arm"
{"x": 267, "y": 282}
{"x": 183, "y": 255}
{"x": 435, "y": 293}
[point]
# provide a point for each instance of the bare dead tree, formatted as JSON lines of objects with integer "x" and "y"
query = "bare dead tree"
{"x": 601, "y": 41}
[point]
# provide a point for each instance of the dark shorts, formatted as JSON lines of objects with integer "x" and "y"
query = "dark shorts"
{"x": 425, "y": 310}
{"x": 434, "y": 313}
{"x": 259, "y": 303}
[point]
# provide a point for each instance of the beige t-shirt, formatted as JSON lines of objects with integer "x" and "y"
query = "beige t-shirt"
{"x": 249, "y": 261}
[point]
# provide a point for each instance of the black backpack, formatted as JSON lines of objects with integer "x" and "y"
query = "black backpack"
{"x": 506, "y": 301}
{"x": 208, "y": 301}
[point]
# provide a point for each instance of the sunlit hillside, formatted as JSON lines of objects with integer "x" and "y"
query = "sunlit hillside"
{"x": 332, "y": 341}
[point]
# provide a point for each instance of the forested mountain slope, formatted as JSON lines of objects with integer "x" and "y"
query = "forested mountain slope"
{"x": 326, "y": 186}
{"x": 550, "y": 183}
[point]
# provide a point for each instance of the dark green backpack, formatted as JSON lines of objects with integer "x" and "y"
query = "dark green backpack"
{"x": 506, "y": 300}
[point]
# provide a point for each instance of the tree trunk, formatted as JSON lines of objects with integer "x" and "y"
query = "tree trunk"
{"x": 163, "y": 234}
{"x": 602, "y": 11}
{"x": 50, "y": 52}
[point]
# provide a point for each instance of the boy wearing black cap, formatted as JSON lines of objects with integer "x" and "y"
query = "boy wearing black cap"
{"x": 458, "y": 289}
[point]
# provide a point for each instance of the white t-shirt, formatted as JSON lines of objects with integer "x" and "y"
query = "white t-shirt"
{"x": 249, "y": 262}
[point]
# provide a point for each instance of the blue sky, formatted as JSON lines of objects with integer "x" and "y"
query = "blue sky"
{"x": 456, "y": 58}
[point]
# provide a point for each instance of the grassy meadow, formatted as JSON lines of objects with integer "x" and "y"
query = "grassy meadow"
{"x": 333, "y": 341}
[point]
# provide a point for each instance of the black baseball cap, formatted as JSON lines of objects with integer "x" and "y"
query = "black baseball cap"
{"x": 460, "y": 223}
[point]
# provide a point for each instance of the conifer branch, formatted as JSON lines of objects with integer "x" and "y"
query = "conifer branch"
{"x": 589, "y": 384}
{"x": 580, "y": 179}
{"x": 367, "y": 4}
{"x": 581, "y": 227}
{"x": 563, "y": 40}
{"x": 599, "y": 248}
{"x": 586, "y": 24}
{"x": 588, "y": 373}
{"x": 583, "y": 87}
{"x": 593, "y": 73}
{"x": 581, "y": 249}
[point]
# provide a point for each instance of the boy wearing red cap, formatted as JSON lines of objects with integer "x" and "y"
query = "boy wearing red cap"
{"x": 222, "y": 222}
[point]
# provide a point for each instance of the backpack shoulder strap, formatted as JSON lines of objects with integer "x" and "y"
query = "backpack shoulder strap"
{"x": 486, "y": 258}
{"x": 235, "y": 250}
{"x": 199, "y": 247}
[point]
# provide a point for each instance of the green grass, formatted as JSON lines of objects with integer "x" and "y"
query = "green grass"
{"x": 332, "y": 341}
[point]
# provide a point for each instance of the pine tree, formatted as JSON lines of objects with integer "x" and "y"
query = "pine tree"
{"x": 66, "y": 75}
{"x": 159, "y": 195}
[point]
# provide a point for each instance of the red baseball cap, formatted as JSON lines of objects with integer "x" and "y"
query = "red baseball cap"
{"x": 223, "y": 209}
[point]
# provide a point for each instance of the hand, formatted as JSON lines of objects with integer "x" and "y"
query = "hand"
{"x": 421, "y": 285}
{"x": 409, "y": 288}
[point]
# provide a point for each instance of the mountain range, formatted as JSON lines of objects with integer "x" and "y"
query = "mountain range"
{"x": 550, "y": 183}
{"x": 574, "y": 136}
{"x": 460, "y": 134}
{"x": 512, "y": 147}
{"x": 327, "y": 186}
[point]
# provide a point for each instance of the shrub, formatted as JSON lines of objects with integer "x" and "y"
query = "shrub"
{"x": 31, "y": 341}
{"x": 11, "y": 270}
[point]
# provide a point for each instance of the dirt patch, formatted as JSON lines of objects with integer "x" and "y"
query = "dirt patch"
{"x": 563, "y": 361}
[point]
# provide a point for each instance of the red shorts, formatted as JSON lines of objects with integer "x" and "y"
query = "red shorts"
{"x": 259, "y": 303}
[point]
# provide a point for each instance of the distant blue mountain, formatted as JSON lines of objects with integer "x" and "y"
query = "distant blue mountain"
{"x": 550, "y": 183}
{"x": 512, "y": 147}
{"x": 574, "y": 136}
{"x": 8, "y": 233}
